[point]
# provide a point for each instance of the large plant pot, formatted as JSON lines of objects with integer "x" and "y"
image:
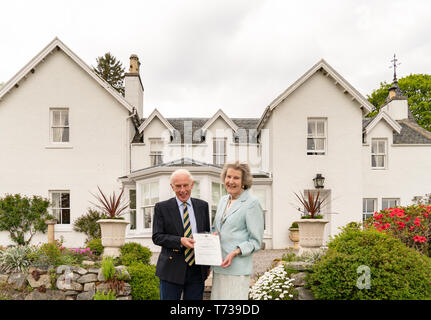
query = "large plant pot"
{"x": 311, "y": 233}
{"x": 294, "y": 236}
{"x": 113, "y": 236}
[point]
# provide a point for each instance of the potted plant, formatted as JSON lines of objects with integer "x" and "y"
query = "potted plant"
{"x": 312, "y": 225}
{"x": 112, "y": 225}
{"x": 294, "y": 235}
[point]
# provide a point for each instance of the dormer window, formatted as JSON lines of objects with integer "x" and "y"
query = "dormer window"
{"x": 219, "y": 151}
{"x": 378, "y": 154}
{"x": 156, "y": 151}
{"x": 59, "y": 130}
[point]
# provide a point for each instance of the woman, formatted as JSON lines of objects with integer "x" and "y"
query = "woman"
{"x": 239, "y": 223}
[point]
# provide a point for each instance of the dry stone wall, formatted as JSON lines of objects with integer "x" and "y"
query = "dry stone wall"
{"x": 61, "y": 283}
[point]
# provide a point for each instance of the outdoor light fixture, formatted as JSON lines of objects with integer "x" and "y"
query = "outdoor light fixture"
{"x": 319, "y": 181}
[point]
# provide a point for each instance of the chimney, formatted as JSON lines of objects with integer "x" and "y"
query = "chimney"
{"x": 396, "y": 105}
{"x": 134, "y": 90}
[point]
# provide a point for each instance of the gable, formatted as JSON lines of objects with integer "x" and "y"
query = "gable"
{"x": 31, "y": 68}
{"x": 336, "y": 79}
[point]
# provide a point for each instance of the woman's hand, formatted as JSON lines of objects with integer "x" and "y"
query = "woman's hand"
{"x": 228, "y": 260}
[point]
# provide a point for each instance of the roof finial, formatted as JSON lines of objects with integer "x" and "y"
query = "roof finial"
{"x": 394, "y": 65}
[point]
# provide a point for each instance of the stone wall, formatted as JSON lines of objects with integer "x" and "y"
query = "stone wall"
{"x": 60, "y": 283}
{"x": 299, "y": 277}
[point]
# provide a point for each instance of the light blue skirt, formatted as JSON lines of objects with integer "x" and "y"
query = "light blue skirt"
{"x": 230, "y": 287}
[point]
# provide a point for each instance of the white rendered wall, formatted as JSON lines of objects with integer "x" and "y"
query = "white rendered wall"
{"x": 293, "y": 170}
{"x": 96, "y": 155}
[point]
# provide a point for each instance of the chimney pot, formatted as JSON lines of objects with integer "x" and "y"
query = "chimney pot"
{"x": 134, "y": 64}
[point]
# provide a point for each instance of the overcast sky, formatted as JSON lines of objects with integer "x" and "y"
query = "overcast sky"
{"x": 199, "y": 56}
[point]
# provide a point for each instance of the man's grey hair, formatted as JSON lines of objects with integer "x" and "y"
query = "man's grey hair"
{"x": 181, "y": 171}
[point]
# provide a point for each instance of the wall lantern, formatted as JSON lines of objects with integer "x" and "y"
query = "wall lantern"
{"x": 319, "y": 181}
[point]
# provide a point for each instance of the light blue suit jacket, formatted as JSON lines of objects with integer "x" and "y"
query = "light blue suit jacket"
{"x": 242, "y": 227}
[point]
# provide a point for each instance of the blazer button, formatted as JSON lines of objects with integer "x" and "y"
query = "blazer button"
{"x": 170, "y": 258}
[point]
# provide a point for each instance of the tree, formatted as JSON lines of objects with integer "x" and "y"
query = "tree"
{"x": 417, "y": 88}
{"x": 111, "y": 70}
{"x": 23, "y": 215}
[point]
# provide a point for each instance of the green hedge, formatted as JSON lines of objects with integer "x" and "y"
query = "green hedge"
{"x": 144, "y": 283}
{"x": 132, "y": 252}
{"x": 396, "y": 271}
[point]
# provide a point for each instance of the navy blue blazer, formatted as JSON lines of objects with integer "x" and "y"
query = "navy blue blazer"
{"x": 167, "y": 232}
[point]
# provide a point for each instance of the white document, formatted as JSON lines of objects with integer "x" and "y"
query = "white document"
{"x": 207, "y": 249}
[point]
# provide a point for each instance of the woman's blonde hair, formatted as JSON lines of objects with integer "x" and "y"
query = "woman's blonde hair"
{"x": 246, "y": 176}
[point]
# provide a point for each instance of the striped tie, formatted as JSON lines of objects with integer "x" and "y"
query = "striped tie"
{"x": 189, "y": 254}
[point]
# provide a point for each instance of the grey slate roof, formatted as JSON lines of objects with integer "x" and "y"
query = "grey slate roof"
{"x": 247, "y": 132}
{"x": 411, "y": 132}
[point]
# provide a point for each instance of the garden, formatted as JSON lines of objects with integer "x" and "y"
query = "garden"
{"x": 385, "y": 258}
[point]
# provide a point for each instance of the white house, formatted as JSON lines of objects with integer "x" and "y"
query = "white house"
{"x": 64, "y": 131}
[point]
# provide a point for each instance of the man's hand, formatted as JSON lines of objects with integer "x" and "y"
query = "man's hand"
{"x": 188, "y": 242}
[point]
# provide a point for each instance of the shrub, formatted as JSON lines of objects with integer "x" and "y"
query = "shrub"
{"x": 88, "y": 225}
{"x": 95, "y": 246}
{"x": 22, "y": 216}
{"x": 15, "y": 259}
{"x": 396, "y": 271}
{"x": 412, "y": 225}
{"x": 144, "y": 283}
{"x": 133, "y": 252}
{"x": 100, "y": 295}
{"x": 52, "y": 251}
{"x": 108, "y": 269}
{"x": 273, "y": 285}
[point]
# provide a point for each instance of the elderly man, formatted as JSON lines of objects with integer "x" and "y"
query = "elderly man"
{"x": 175, "y": 220}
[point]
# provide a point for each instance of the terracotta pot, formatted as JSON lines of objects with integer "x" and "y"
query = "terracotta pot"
{"x": 113, "y": 235}
{"x": 311, "y": 232}
{"x": 294, "y": 236}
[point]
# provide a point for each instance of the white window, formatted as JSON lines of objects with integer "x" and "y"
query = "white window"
{"x": 316, "y": 136}
{"x": 59, "y": 131}
{"x": 196, "y": 191}
{"x": 132, "y": 209}
{"x": 378, "y": 153}
{"x": 60, "y": 201}
{"x": 149, "y": 197}
{"x": 390, "y": 203}
{"x": 219, "y": 151}
{"x": 217, "y": 191}
{"x": 156, "y": 151}
{"x": 369, "y": 206}
{"x": 261, "y": 196}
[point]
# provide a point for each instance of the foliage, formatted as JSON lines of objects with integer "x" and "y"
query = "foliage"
{"x": 52, "y": 251}
{"x": 15, "y": 259}
{"x": 144, "y": 283}
{"x": 312, "y": 256}
{"x": 312, "y": 203}
{"x": 411, "y": 224}
{"x": 294, "y": 225}
{"x": 111, "y": 70}
{"x": 273, "y": 285}
{"x": 133, "y": 252}
{"x": 95, "y": 246}
{"x": 112, "y": 206}
{"x": 108, "y": 269}
{"x": 23, "y": 215}
{"x": 417, "y": 88}
{"x": 396, "y": 271}
{"x": 88, "y": 225}
{"x": 100, "y": 295}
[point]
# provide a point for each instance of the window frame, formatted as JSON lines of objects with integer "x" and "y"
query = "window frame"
{"x": 143, "y": 207}
{"x": 216, "y": 153}
{"x": 132, "y": 211}
{"x": 397, "y": 202}
{"x": 376, "y": 154}
{"x": 320, "y": 152}
{"x": 52, "y": 208}
{"x": 52, "y": 126}
{"x": 367, "y": 214}
{"x": 156, "y": 157}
